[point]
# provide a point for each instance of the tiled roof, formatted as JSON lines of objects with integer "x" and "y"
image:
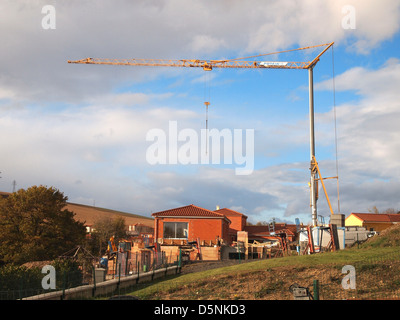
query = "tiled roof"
{"x": 378, "y": 217}
{"x": 229, "y": 212}
{"x": 188, "y": 211}
{"x": 89, "y": 215}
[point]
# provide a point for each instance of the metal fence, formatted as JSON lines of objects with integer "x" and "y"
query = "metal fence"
{"x": 33, "y": 282}
{"x": 127, "y": 263}
{"x": 24, "y": 287}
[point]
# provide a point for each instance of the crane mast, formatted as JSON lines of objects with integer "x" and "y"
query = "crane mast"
{"x": 245, "y": 63}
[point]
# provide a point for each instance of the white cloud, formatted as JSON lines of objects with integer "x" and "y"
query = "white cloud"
{"x": 97, "y": 135}
{"x": 37, "y": 68}
{"x": 283, "y": 24}
{"x": 369, "y": 137}
{"x": 377, "y": 88}
{"x": 204, "y": 44}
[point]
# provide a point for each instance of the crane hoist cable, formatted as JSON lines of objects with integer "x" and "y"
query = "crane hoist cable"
{"x": 335, "y": 120}
{"x": 206, "y": 103}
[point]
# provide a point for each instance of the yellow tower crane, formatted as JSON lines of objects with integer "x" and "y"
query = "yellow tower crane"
{"x": 245, "y": 63}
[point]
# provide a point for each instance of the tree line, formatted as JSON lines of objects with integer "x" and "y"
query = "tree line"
{"x": 35, "y": 226}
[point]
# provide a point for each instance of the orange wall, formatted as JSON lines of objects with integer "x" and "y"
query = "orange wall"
{"x": 237, "y": 222}
{"x": 205, "y": 228}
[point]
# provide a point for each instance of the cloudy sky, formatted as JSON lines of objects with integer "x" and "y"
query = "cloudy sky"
{"x": 87, "y": 129}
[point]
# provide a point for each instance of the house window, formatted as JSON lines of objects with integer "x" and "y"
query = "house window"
{"x": 176, "y": 230}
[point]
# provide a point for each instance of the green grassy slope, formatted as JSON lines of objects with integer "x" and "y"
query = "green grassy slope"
{"x": 377, "y": 263}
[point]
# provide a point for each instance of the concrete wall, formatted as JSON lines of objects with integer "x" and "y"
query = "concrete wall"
{"x": 106, "y": 288}
{"x": 354, "y": 234}
{"x": 338, "y": 219}
{"x": 225, "y": 250}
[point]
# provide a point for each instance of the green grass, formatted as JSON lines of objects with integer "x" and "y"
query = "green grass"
{"x": 366, "y": 258}
{"x": 361, "y": 257}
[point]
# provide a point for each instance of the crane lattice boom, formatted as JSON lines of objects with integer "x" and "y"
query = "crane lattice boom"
{"x": 210, "y": 64}
{"x": 205, "y": 64}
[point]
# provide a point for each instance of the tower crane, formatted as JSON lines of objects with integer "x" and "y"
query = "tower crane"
{"x": 245, "y": 63}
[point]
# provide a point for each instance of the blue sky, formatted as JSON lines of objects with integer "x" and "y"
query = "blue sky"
{"x": 82, "y": 128}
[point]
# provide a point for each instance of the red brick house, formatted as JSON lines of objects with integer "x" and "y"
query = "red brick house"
{"x": 191, "y": 222}
{"x": 238, "y": 222}
{"x": 175, "y": 229}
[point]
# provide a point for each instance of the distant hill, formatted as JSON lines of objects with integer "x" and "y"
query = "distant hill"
{"x": 89, "y": 214}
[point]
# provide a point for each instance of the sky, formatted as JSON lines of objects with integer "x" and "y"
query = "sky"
{"x": 127, "y": 137}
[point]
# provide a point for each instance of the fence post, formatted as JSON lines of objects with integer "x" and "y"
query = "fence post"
{"x": 94, "y": 281}
{"x": 137, "y": 269}
{"x": 316, "y": 289}
{"x": 126, "y": 265}
{"x": 119, "y": 273}
{"x": 21, "y": 285}
{"x": 64, "y": 284}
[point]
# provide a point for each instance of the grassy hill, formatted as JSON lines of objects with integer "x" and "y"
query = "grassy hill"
{"x": 376, "y": 262}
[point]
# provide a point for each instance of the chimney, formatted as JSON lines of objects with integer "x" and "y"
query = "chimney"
{"x": 217, "y": 207}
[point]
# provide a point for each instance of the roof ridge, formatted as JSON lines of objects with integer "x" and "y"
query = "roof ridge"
{"x": 172, "y": 209}
{"x": 233, "y": 211}
{"x": 375, "y": 217}
{"x": 207, "y": 210}
{"x": 183, "y": 208}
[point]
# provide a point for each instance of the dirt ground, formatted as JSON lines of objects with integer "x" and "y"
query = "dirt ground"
{"x": 274, "y": 284}
{"x": 197, "y": 266}
{"x": 268, "y": 284}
